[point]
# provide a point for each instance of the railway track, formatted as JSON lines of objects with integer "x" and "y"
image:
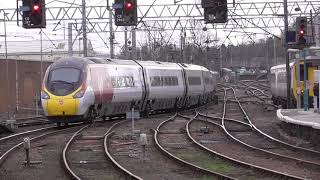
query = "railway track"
{"x": 92, "y": 150}
{"x": 10, "y": 144}
{"x": 84, "y": 155}
{"x": 22, "y": 124}
{"x": 128, "y": 153}
{"x": 256, "y": 89}
{"x": 312, "y": 155}
{"x": 31, "y": 121}
{"x": 208, "y": 142}
{"x": 47, "y": 146}
{"x": 174, "y": 139}
{"x": 243, "y": 131}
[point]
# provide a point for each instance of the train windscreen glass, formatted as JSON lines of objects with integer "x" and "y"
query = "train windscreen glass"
{"x": 63, "y": 81}
{"x": 70, "y": 75}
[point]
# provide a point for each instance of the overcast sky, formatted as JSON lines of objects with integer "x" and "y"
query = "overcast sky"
{"x": 16, "y": 33}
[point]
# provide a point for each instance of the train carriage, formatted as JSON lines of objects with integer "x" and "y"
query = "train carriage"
{"x": 214, "y": 78}
{"x": 194, "y": 84}
{"x": 208, "y": 85}
{"x": 278, "y": 80}
{"x": 80, "y": 89}
{"x": 165, "y": 85}
{"x": 126, "y": 79}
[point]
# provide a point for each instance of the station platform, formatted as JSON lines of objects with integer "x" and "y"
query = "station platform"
{"x": 300, "y": 117}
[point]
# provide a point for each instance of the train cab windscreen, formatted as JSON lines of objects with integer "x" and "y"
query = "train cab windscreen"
{"x": 63, "y": 81}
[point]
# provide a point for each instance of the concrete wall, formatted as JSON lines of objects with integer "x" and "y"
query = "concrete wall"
{"x": 19, "y": 87}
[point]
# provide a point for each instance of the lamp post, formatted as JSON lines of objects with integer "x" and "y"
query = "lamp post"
{"x": 80, "y": 46}
{"x": 5, "y": 34}
{"x": 7, "y": 62}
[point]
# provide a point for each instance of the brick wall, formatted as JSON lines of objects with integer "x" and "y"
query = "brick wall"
{"x": 21, "y": 89}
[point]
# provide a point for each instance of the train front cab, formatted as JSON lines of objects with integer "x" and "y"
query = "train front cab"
{"x": 313, "y": 63}
{"x": 63, "y": 91}
{"x": 61, "y": 109}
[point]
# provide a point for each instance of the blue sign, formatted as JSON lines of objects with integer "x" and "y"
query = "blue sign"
{"x": 291, "y": 36}
{"x": 117, "y": 6}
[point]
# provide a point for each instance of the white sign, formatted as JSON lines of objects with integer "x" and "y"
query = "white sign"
{"x": 308, "y": 84}
{"x": 316, "y": 74}
{"x": 317, "y": 30}
{"x": 134, "y": 114}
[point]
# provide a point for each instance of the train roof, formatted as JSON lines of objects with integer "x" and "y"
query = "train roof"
{"x": 192, "y": 67}
{"x": 157, "y": 64}
{"x": 226, "y": 69}
{"x": 79, "y": 61}
{"x": 99, "y": 60}
{"x": 214, "y": 72}
{"x": 71, "y": 61}
{"x": 281, "y": 66}
{"x": 308, "y": 59}
{"x": 313, "y": 57}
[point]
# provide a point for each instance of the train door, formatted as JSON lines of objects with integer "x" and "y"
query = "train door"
{"x": 311, "y": 79}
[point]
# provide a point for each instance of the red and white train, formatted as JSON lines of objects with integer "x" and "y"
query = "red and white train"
{"x": 80, "y": 89}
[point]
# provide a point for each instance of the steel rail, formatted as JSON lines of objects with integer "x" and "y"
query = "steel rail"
{"x": 179, "y": 160}
{"x": 109, "y": 156}
{"x": 25, "y": 133}
{"x": 239, "y": 162}
{"x": 277, "y": 140}
{"x": 260, "y": 149}
{"x": 72, "y": 174}
{"x": 7, "y": 153}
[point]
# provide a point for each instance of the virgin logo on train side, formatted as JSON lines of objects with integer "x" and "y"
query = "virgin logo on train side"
{"x": 60, "y": 101}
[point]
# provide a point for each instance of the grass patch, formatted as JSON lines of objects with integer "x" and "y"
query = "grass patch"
{"x": 206, "y": 178}
{"x": 207, "y": 162}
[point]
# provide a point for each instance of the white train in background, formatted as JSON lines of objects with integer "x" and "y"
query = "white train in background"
{"x": 80, "y": 89}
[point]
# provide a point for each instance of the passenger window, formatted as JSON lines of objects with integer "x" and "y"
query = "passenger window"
{"x": 168, "y": 78}
{"x": 176, "y": 81}
{"x": 273, "y": 77}
{"x": 171, "y": 81}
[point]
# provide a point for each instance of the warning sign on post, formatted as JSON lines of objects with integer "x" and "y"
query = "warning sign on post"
{"x": 133, "y": 114}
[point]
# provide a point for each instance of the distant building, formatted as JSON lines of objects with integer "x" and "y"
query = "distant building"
{"x": 51, "y": 50}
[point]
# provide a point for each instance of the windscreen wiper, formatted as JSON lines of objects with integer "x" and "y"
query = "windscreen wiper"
{"x": 61, "y": 81}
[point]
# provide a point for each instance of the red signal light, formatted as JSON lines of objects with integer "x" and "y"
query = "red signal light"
{"x": 128, "y": 6}
{"x": 301, "y": 32}
{"x": 36, "y": 7}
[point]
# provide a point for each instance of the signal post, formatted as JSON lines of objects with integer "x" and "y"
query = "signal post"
{"x": 301, "y": 29}
{"x": 302, "y": 44}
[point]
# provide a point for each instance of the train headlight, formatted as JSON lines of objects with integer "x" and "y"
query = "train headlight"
{"x": 44, "y": 95}
{"x": 79, "y": 94}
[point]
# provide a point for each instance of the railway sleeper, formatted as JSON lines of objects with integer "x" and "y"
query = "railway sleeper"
{"x": 5, "y": 129}
{"x": 239, "y": 130}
